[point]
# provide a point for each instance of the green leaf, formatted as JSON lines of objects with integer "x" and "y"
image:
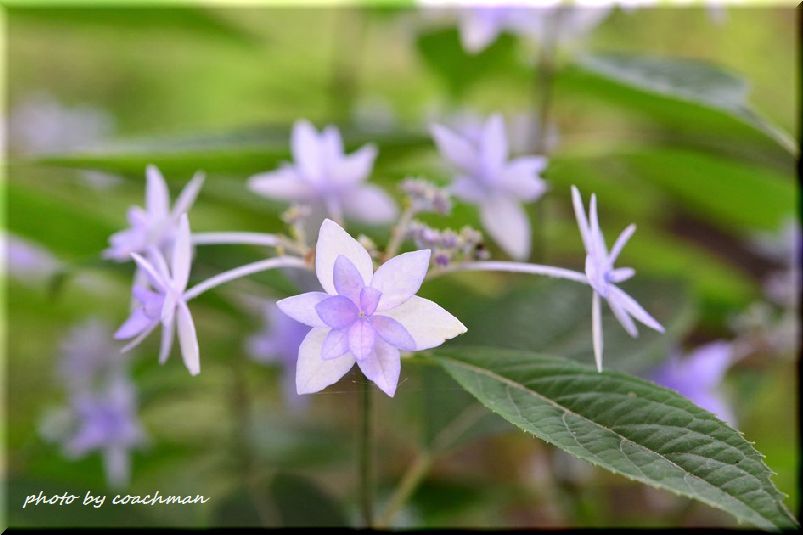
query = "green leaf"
{"x": 554, "y": 318}
{"x": 690, "y": 96}
{"x": 623, "y": 424}
{"x": 244, "y": 151}
{"x": 301, "y": 503}
{"x": 443, "y": 53}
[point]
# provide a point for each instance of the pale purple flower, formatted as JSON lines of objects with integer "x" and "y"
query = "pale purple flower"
{"x": 279, "y": 343}
{"x": 326, "y": 178}
{"x": 498, "y": 185}
{"x": 89, "y": 356}
{"x": 697, "y": 376}
{"x": 541, "y": 21}
{"x": 106, "y": 421}
{"x": 603, "y": 276}
{"x": 27, "y": 261}
{"x": 155, "y": 226}
{"x": 362, "y": 316}
{"x": 164, "y": 302}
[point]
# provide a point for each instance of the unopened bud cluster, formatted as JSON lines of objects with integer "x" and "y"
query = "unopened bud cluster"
{"x": 426, "y": 197}
{"x": 447, "y": 245}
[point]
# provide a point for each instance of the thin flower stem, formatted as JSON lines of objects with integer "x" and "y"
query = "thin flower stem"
{"x": 244, "y": 271}
{"x": 236, "y": 238}
{"x": 365, "y": 466}
{"x": 515, "y": 267}
{"x": 399, "y": 233}
{"x": 423, "y": 461}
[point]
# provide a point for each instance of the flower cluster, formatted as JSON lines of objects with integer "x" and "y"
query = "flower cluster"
{"x": 448, "y": 246}
{"x": 426, "y": 197}
{"x": 102, "y": 410}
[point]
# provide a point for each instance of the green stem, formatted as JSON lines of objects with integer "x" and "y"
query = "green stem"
{"x": 423, "y": 461}
{"x": 365, "y": 467}
{"x": 399, "y": 233}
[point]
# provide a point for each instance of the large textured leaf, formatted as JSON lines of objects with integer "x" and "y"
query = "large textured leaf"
{"x": 623, "y": 424}
{"x": 690, "y": 96}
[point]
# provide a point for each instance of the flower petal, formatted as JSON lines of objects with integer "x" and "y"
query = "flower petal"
{"x": 393, "y": 332}
{"x": 188, "y": 339}
{"x": 283, "y": 184}
{"x": 620, "y": 243}
{"x": 314, "y": 373}
{"x": 369, "y": 204}
{"x": 621, "y": 274}
{"x": 166, "y": 343}
{"x": 369, "y": 300}
{"x": 633, "y": 308}
{"x": 597, "y": 240}
{"x": 335, "y": 344}
{"x": 400, "y": 278}
{"x": 302, "y": 308}
{"x": 153, "y": 276}
{"x": 333, "y": 241}
{"x": 188, "y": 195}
{"x": 157, "y": 196}
{"x": 137, "y": 322}
{"x": 623, "y": 317}
{"x": 454, "y": 148}
{"x": 520, "y": 178}
{"x": 361, "y": 339}
{"x": 507, "y": 223}
{"x": 354, "y": 168}
{"x": 582, "y": 222}
{"x": 477, "y": 31}
{"x": 306, "y": 150}
{"x": 493, "y": 146}
{"x": 468, "y": 189}
{"x": 337, "y": 311}
{"x": 596, "y": 329}
{"x": 382, "y": 366}
{"x": 347, "y": 279}
{"x": 428, "y": 323}
{"x": 181, "y": 260}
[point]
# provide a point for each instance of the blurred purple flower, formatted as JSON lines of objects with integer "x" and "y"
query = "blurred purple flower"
{"x": 363, "y": 317}
{"x": 498, "y": 185}
{"x": 327, "y": 179}
{"x": 155, "y": 226}
{"x": 279, "y": 343}
{"x": 698, "y": 375}
{"x": 603, "y": 277}
{"x": 107, "y": 421}
{"x": 27, "y": 261}
{"x": 786, "y": 249}
{"x": 89, "y": 356}
{"x": 165, "y": 303}
{"x": 481, "y": 25}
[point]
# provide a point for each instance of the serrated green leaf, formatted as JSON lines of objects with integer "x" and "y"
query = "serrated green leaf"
{"x": 624, "y": 424}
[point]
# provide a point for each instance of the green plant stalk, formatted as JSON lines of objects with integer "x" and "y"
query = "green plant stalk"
{"x": 365, "y": 464}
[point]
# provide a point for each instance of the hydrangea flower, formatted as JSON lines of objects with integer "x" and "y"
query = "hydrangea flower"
{"x": 279, "y": 342}
{"x": 698, "y": 375}
{"x": 327, "y": 179}
{"x": 362, "y": 316}
{"x": 89, "y": 356}
{"x": 165, "y": 302}
{"x": 107, "y": 421}
{"x": 603, "y": 277}
{"x": 498, "y": 185}
{"x": 155, "y": 226}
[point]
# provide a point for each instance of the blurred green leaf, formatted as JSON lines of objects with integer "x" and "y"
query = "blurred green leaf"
{"x": 689, "y": 96}
{"x": 442, "y": 51}
{"x": 623, "y": 424}
{"x": 244, "y": 151}
{"x": 301, "y": 503}
{"x": 125, "y": 17}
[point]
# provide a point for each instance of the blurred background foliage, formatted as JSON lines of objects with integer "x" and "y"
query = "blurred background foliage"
{"x": 217, "y": 89}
